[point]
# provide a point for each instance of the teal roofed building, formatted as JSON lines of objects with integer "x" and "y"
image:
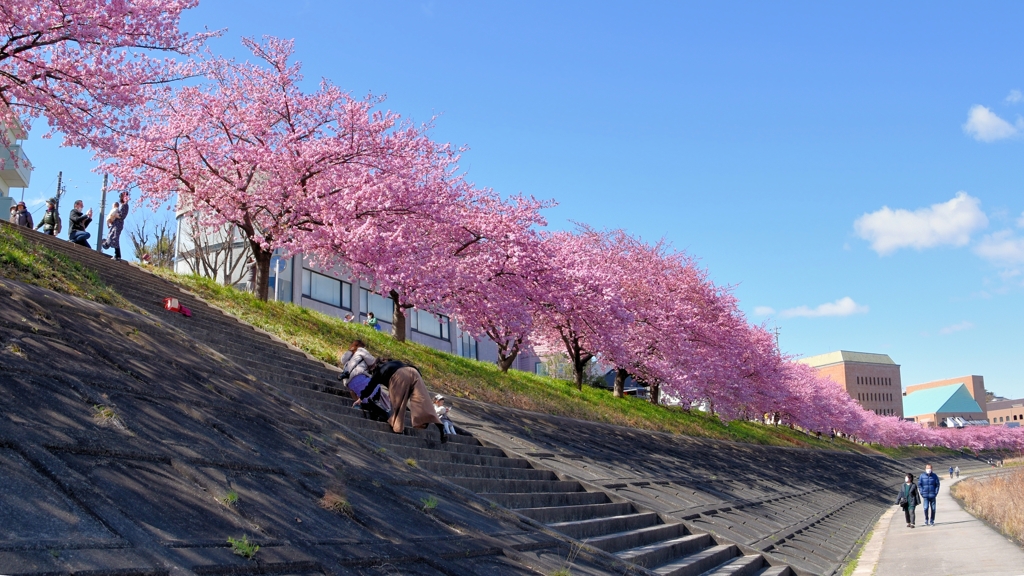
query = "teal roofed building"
{"x": 931, "y": 406}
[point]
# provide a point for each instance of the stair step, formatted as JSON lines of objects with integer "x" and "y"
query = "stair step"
{"x": 776, "y": 571}
{"x": 635, "y": 538}
{"x": 665, "y": 551}
{"x": 601, "y": 526}
{"x": 543, "y": 499}
{"x": 552, "y": 514}
{"x": 748, "y": 565}
{"x": 490, "y": 472}
{"x": 499, "y": 485}
{"x": 442, "y": 456}
{"x": 699, "y": 562}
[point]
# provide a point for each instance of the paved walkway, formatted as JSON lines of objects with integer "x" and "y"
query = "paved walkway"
{"x": 959, "y": 544}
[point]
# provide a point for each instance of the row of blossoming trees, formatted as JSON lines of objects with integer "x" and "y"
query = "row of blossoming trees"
{"x": 339, "y": 179}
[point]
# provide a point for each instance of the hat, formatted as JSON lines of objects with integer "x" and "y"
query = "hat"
{"x": 52, "y": 201}
{"x": 438, "y": 397}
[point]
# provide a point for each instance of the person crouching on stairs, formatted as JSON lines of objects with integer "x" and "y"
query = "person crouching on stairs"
{"x": 406, "y": 387}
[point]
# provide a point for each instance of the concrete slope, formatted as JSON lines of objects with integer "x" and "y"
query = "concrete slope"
{"x": 128, "y": 448}
{"x": 670, "y": 504}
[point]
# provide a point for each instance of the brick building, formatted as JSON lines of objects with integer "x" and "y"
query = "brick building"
{"x": 873, "y": 380}
{"x": 1006, "y": 412}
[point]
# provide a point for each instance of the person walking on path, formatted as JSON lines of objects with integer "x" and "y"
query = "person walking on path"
{"x": 957, "y": 471}
{"x": 79, "y": 224}
{"x": 407, "y": 388}
{"x": 50, "y": 222}
{"x": 928, "y": 486}
{"x": 950, "y": 472}
{"x": 908, "y": 498}
{"x": 22, "y": 217}
{"x": 115, "y": 225}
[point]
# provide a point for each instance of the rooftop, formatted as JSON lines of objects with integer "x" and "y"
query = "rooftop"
{"x": 847, "y": 356}
{"x": 1004, "y": 404}
{"x": 953, "y": 398}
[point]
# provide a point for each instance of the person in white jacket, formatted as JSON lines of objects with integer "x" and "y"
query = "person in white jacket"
{"x": 442, "y": 413}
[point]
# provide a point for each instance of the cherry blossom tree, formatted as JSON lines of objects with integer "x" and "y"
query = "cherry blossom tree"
{"x": 251, "y": 149}
{"x": 77, "y": 62}
{"x": 582, "y": 312}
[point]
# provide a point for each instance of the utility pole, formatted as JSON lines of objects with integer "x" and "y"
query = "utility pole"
{"x": 99, "y": 225}
{"x": 60, "y": 192}
{"x": 776, "y": 332}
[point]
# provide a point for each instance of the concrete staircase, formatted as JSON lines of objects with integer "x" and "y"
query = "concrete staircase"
{"x": 653, "y": 543}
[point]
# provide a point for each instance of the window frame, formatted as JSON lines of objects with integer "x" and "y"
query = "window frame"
{"x": 306, "y": 272}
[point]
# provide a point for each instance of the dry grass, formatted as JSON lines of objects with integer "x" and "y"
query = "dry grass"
{"x": 998, "y": 500}
{"x": 334, "y": 501}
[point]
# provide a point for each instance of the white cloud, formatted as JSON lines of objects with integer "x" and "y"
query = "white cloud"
{"x": 1014, "y": 96}
{"x": 1020, "y": 221}
{"x": 843, "y": 307}
{"x": 965, "y": 325}
{"x": 984, "y": 125}
{"x": 950, "y": 222}
{"x": 763, "y": 310}
{"x": 1002, "y": 248}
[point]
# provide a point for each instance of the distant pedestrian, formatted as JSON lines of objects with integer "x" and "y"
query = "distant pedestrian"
{"x": 22, "y": 217}
{"x": 115, "y": 224}
{"x": 950, "y": 472}
{"x": 79, "y": 223}
{"x": 371, "y": 321}
{"x": 957, "y": 471}
{"x": 443, "y": 413}
{"x": 407, "y": 388}
{"x": 50, "y": 222}
{"x": 349, "y": 317}
{"x": 908, "y": 498}
{"x": 250, "y": 275}
{"x": 928, "y": 486}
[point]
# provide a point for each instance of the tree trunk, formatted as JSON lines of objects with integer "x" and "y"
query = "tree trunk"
{"x": 262, "y": 270}
{"x": 507, "y": 355}
{"x": 579, "y": 368}
{"x": 619, "y": 388}
{"x": 655, "y": 393}
{"x": 398, "y": 318}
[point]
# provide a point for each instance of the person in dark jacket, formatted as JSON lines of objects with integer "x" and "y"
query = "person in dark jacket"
{"x": 928, "y": 485}
{"x": 22, "y": 217}
{"x": 50, "y": 222}
{"x": 79, "y": 223}
{"x": 406, "y": 386}
{"x": 113, "y": 239}
{"x": 908, "y": 498}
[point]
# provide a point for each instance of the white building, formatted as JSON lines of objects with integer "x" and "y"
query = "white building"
{"x": 15, "y": 169}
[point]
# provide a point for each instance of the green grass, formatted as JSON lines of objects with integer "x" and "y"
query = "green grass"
{"x": 902, "y": 452}
{"x": 243, "y": 546}
{"x": 322, "y": 336}
{"x": 31, "y": 263}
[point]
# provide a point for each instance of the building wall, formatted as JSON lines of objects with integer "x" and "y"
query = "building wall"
{"x": 975, "y": 385}
{"x": 1006, "y": 412}
{"x": 876, "y": 387}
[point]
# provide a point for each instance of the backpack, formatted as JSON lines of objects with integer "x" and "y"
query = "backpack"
{"x": 58, "y": 225}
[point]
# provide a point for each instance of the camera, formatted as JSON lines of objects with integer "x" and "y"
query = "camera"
{"x": 344, "y": 375}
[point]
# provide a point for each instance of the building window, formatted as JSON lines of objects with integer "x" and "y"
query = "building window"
{"x": 540, "y": 368}
{"x": 382, "y": 308}
{"x": 467, "y": 346}
{"x": 280, "y": 281}
{"x": 426, "y": 323}
{"x": 327, "y": 290}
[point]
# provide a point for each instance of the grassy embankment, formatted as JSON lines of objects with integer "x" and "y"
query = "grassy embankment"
{"x": 999, "y": 500}
{"x": 32, "y": 263}
{"x": 321, "y": 336}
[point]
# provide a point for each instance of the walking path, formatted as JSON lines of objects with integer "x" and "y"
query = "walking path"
{"x": 959, "y": 544}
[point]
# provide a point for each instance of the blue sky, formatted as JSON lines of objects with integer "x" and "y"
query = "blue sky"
{"x": 764, "y": 138}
